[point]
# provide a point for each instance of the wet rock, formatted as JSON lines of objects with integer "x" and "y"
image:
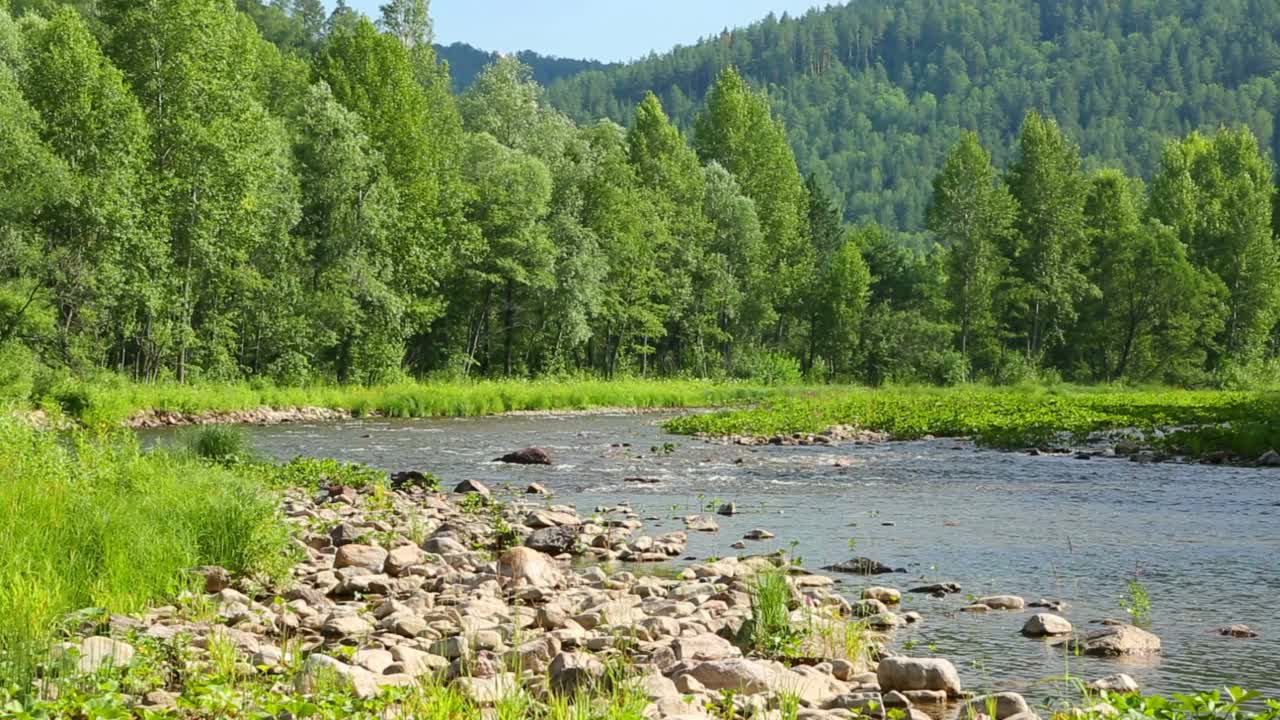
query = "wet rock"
{"x": 937, "y": 589}
{"x": 1118, "y": 683}
{"x": 1045, "y": 625}
{"x": 1054, "y": 605}
{"x": 758, "y": 534}
{"x": 886, "y": 595}
{"x": 467, "y": 487}
{"x": 1005, "y": 704}
{"x": 527, "y": 456}
{"x": 367, "y": 557}
{"x": 728, "y": 509}
{"x": 527, "y": 567}
{"x": 701, "y": 523}
{"x": 926, "y": 697}
{"x": 412, "y": 479}
{"x": 1003, "y": 602}
{"x": 903, "y": 674}
{"x": 643, "y": 480}
{"x": 861, "y": 566}
{"x": 739, "y": 545}
{"x": 1237, "y": 631}
{"x": 96, "y": 653}
{"x": 868, "y": 607}
{"x": 554, "y": 540}
{"x": 1119, "y": 640}
{"x": 1270, "y": 458}
{"x": 536, "y": 489}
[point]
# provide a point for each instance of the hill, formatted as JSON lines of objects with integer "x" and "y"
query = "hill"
{"x": 466, "y": 63}
{"x": 875, "y": 92}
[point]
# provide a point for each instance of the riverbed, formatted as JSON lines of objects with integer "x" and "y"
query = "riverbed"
{"x": 1204, "y": 541}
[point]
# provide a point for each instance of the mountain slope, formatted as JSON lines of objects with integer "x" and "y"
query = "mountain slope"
{"x": 466, "y": 62}
{"x": 875, "y": 92}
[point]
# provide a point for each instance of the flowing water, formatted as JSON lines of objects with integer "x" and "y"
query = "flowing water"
{"x": 1205, "y": 541}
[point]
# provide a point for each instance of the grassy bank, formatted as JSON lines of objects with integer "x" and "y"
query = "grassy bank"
{"x": 95, "y": 523}
{"x": 1240, "y": 423}
{"x": 112, "y": 400}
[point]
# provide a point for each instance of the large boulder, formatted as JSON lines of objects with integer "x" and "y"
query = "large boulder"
{"x": 554, "y": 540}
{"x": 365, "y": 557}
{"x": 702, "y": 647}
{"x": 468, "y": 487}
{"x": 527, "y": 456}
{"x": 861, "y": 566}
{"x": 1045, "y": 625}
{"x": 571, "y": 672}
{"x": 886, "y": 595}
{"x": 99, "y": 652}
{"x": 1005, "y": 705}
{"x": 1118, "y": 683}
{"x": 738, "y": 675}
{"x": 526, "y": 567}
{"x": 902, "y": 674}
{"x": 1119, "y": 640}
{"x": 1003, "y": 602}
{"x": 701, "y": 523}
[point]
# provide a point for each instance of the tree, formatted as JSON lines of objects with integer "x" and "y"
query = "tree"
{"x": 738, "y": 131}
{"x": 971, "y": 216}
{"x": 1049, "y": 250}
{"x": 409, "y": 21}
{"x": 103, "y": 261}
{"x": 1216, "y": 194}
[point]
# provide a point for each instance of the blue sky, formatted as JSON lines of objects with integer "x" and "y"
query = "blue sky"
{"x": 599, "y": 29}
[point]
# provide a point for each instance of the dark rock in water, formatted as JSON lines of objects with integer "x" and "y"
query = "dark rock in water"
{"x": 466, "y": 487}
{"x": 728, "y": 509}
{"x": 861, "y": 566}
{"x": 1054, "y": 605}
{"x": 947, "y": 588}
{"x": 1084, "y": 456}
{"x": 413, "y": 478}
{"x": 554, "y": 540}
{"x": 642, "y": 480}
{"x": 527, "y": 456}
{"x": 1237, "y": 631}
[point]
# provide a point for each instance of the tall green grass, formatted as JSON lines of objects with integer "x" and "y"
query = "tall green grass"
{"x": 94, "y": 522}
{"x": 112, "y": 400}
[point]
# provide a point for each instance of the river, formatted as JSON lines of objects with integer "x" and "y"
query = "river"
{"x": 1204, "y": 541}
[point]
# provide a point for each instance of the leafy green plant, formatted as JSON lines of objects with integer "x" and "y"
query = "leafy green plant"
{"x": 769, "y": 630}
{"x": 1137, "y": 602}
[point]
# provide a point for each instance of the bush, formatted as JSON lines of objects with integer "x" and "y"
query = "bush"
{"x": 769, "y": 368}
{"x": 94, "y": 522}
{"x": 224, "y": 444}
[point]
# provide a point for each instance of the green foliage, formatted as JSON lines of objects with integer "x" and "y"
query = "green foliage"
{"x": 96, "y": 523}
{"x": 1137, "y": 602}
{"x": 769, "y": 629}
{"x": 1232, "y": 703}
{"x": 225, "y": 444}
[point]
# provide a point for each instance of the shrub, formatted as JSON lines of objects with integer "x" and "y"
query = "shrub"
{"x": 224, "y": 444}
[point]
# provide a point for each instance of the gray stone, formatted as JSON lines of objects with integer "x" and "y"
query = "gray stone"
{"x": 1005, "y": 704}
{"x": 1119, "y": 640}
{"x": 101, "y": 652}
{"x": 367, "y": 557}
{"x": 902, "y": 674}
{"x": 1045, "y": 625}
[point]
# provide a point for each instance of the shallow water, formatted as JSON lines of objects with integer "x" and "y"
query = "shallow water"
{"x": 1204, "y": 540}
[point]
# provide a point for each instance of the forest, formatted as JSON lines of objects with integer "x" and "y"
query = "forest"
{"x": 202, "y": 190}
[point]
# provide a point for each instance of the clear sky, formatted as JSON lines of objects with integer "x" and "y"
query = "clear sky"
{"x": 597, "y": 29}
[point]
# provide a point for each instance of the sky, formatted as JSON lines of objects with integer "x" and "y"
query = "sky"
{"x": 609, "y": 30}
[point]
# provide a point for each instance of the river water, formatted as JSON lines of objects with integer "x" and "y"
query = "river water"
{"x": 1205, "y": 541}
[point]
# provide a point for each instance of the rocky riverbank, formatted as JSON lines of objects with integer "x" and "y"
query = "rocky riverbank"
{"x": 400, "y": 587}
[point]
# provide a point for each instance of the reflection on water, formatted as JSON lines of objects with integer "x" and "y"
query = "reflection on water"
{"x": 1204, "y": 540}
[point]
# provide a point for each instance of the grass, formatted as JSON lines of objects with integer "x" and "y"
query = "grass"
{"x": 769, "y": 630}
{"x": 94, "y": 522}
{"x": 1242, "y": 423}
{"x": 113, "y": 400}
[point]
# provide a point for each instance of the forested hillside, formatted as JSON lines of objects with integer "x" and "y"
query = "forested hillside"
{"x": 875, "y": 92}
{"x": 208, "y": 190}
{"x": 467, "y": 62}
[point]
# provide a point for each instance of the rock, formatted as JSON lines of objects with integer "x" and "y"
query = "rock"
{"x": 947, "y": 588}
{"x": 216, "y": 579}
{"x": 367, "y": 557}
{"x": 375, "y": 660}
{"x": 895, "y": 699}
{"x": 860, "y": 566}
{"x": 413, "y": 479}
{"x": 346, "y": 627}
{"x": 402, "y": 558}
{"x": 1046, "y": 624}
{"x": 536, "y": 489}
{"x": 886, "y": 595}
{"x": 735, "y": 674}
{"x": 415, "y": 662}
{"x": 1003, "y": 602}
{"x": 527, "y": 456}
{"x": 344, "y": 534}
{"x": 571, "y": 672}
{"x": 701, "y": 523}
{"x": 759, "y": 534}
{"x": 728, "y": 509}
{"x": 320, "y": 669}
{"x": 739, "y": 545}
{"x": 1005, "y": 704}
{"x": 1119, "y": 640}
{"x": 926, "y": 697}
{"x": 701, "y": 648}
{"x": 468, "y": 487}
{"x": 1118, "y": 683}
{"x": 554, "y": 540}
{"x": 862, "y": 704}
{"x": 903, "y": 674}
{"x": 161, "y": 699}
{"x": 1237, "y": 631}
{"x": 100, "y": 652}
{"x": 868, "y": 608}
{"x": 527, "y": 567}
{"x": 1270, "y": 458}
{"x": 487, "y": 691}
{"x": 543, "y": 519}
